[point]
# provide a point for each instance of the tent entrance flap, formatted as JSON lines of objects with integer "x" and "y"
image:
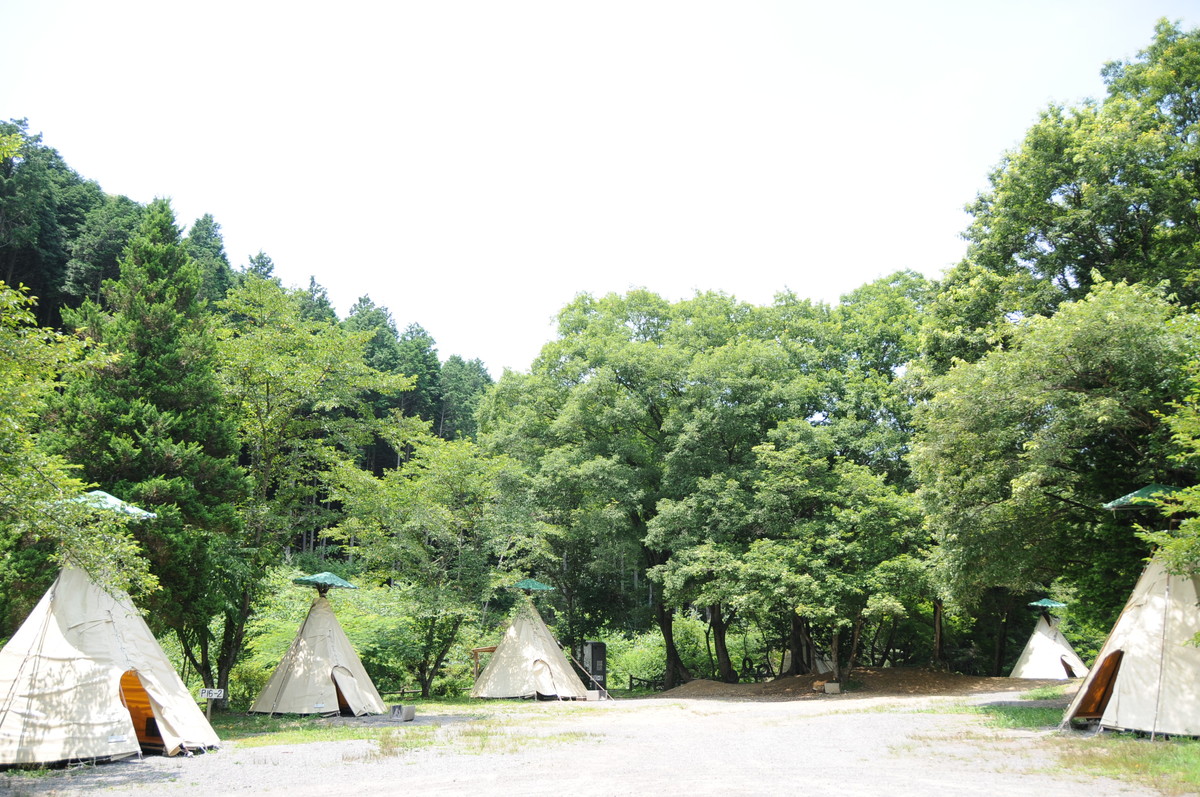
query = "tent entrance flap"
{"x": 349, "y": 697}
{"x": 543, "y": 676}
{"x": 1093, "y": 702}
{"x": 141, "y": 710}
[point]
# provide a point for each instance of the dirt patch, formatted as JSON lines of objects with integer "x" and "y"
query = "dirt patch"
{"x": 872, "y": 681}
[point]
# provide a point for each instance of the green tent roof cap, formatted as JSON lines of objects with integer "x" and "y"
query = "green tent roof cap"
{"x": 102, "y": 500}
{"x": 323, "y": 581}
{"x": 1046, "y": 603}
{"x": 529, "y": 583}
{"x": 1142, "y": 497}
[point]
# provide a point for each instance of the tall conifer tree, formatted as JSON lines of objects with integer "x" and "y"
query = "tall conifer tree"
{"x": 148, "y": 427}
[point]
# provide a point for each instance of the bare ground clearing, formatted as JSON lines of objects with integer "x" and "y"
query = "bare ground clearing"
{"x": 888, "y": 738}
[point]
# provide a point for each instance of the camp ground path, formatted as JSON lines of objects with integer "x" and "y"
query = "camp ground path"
{"x": 840, "y": 745}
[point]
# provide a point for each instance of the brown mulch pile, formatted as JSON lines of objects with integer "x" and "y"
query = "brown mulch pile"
{"x": 872, "y": 681}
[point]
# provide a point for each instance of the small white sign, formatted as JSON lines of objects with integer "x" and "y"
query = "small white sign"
{"x": 212, "y": 694}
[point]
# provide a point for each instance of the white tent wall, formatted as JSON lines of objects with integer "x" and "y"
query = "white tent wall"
{"x": 320, "y": 662}
{"x": 60, "y": 681}
{"x": 528, "y": 662}
{"x": 1156, "y": 686}
{"x": 1046, "y": 652}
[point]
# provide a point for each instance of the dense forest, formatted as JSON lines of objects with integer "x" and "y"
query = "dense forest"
{"x": 711, "y": 486}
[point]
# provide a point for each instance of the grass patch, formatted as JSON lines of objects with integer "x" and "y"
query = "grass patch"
{"x": 470, "y": 727}
{"x": 260, "y": 730}
{"x": 1169, "y": 765}
{"x": 475, "y": 739}
{"x": 1010, "y": 716}
{"x": 486, "y": 738}
{"x": 393, "y": 742}
{"x": 1055, "y": 692}
{"x": 1001, "y": 716}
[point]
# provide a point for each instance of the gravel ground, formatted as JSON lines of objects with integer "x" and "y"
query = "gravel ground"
{"x": 844, "y": 745}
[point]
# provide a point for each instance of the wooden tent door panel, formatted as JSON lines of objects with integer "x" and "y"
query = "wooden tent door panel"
{"x": 1100, "y": 689}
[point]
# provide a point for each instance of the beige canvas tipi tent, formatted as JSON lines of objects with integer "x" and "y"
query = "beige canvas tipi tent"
{"x": 1147, "y": 676}
{"x": 320, "y": 673}
{"x": 1048, "y": 654}
{"x": 83, "y": 678}
{"x": 528, "y": 663}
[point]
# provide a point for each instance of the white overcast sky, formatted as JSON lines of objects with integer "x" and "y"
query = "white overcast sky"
{"x": 474, "y": 165}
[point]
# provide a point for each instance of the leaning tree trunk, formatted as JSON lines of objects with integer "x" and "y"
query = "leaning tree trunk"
{"x": 674, "y": 672}
{"x": 720, "y": 627}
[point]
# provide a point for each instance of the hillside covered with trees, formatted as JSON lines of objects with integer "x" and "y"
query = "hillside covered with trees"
{"x": 710, "y": 485}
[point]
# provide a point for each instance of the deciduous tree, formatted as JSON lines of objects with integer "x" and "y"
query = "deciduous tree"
{"x": 1017, "y": 452}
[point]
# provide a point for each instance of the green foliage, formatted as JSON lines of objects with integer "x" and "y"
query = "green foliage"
{"x": 639, "y": 655}
{"x": 206, "y": 248}
{"x": 10, "y": 145}
{"x": 463, "y": 383}
{"x": 1105, "y": 189}
{"x": 149, "y": 427}
{"x": 299, "y": 392}
{"x": 1179, "y": 542}
{"x": 838, "y": 541}
{"x": 416, "y": 356}
{"x": 441, "y": 528}
{"x": 43, "y": 203}
{"x": 39, "y": 516}
{"x": 97, "y": 249}
{"x": 1017, "y": 452}
{"x": 316, "y": 305}
{"x": 382, "y": 351}
{"x": 643, "y": 425}
{"x": 261, "y": 265}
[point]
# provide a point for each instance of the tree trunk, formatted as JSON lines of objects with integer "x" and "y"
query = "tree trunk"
{"x": 708, "y": 634}
{"x": 795, "y": 646}
{"x": 887, "y": 647}
{"x": 873, "y": 646}
{"x": 674, "y": 673}
{"x": 939, "y": 655}
{"x": 190, "y": 655}
{"x": 1001, "y": 638}
{"x": 720, "y": 627}
{"x": 855, "y": 639}
{"x": 835, "y": 654}
{"x": 436, "y": 650}
{"x": 804, "y": 652}
{"x": 231, "y": 644}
